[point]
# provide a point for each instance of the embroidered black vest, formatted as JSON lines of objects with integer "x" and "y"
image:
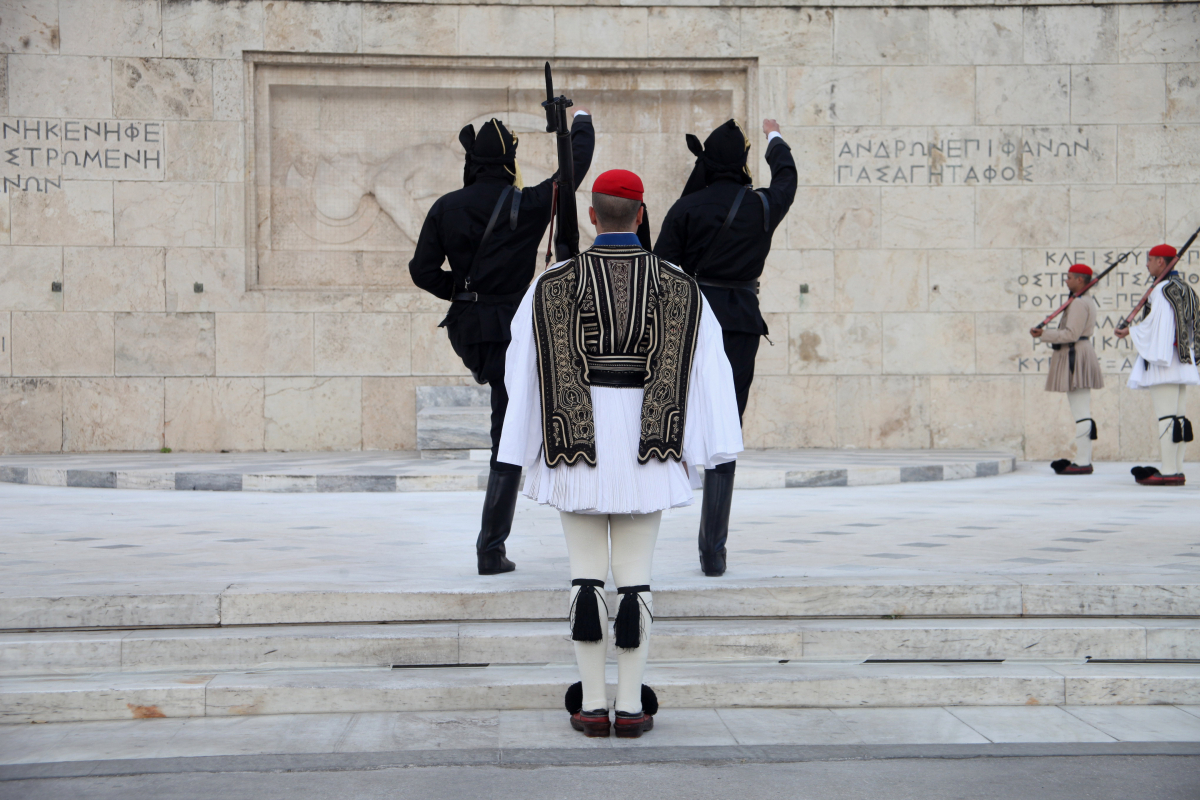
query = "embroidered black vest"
{"x": 614, "y": 316}
{"x": 1187, "y": 314}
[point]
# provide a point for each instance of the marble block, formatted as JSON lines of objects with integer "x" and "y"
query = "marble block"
{"x": 164, "y": 214}
{"x": 362, "y": 344}
{"x": 608, "y": 32}
{"x": 1112, "y": 216}
{"x": 264, "y": 344}
{"x": 104, "y": 696}
{"x": 977, "y": 412}
{"x": 1118, "y": 93}
{"x": 1160, "y": 32}
{"x": 947, "y": 344}
{"x": 211, "y": 29}
{"x": 26, "y": 275}
{"x": 920, "y": 95}
{"x": 5, "y": 343}
{"x": 882, "y": 411}
{"x": 1013, "y": 95}
{"x": 162, "y": 88}
{"x": 827, "y": 95}
{"x": 786, "y": 35}
{"x": 1152, "y": 154}
{"x": 449, "y": 396}
{"x": 62, "y": 343}
{"x": 791, "y": 411}
{"x": 60, "y": 86}
{"x": 80, "y": 213}
{"x": 313, "y": 27}
{"x": 30, "y": 415}
{"x": 415, "y": 29}
{"x": 112, "y": 414}
{"x": 30, "y": 26}
{"x": 975, "y": 35}
{"x": 928, "y": 217}
{"x": 313, "y": 414}
{"x": 113, "y": 278}
{"x": 165, "y": 344}
{"x": 214, "y": 414}
{"x": 205, "y": 151}
{"x": 222, "y": 273}
{"x": 881, "y": 36}
{"x": 454, "y": 428}
{"x": 694, "y": 32}
{"x": 1070, "y": 34}
{"x": 881, "y": 280}
{"x": 110, "y": 27}
{"x": 1021, "y": 216}
{"x": 229, "y": 90}
{"x": 835, "y": 344}
{"x": 973, "y": 280}
{"x": 390, "y": 408}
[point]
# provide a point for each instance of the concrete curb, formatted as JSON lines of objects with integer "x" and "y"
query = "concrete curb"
{"x": 465, "y": 478}
{"x": 742, "y": 754}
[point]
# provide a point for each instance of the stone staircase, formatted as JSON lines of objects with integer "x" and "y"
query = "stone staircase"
{"x": 453, "y": 421}
{"x": 275, "y": 650}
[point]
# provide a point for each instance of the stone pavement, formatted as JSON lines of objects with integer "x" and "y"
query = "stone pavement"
{"x": 1027, "y": 527}
{"x": 407, "y": 471}
{"x": 543, "y": 737}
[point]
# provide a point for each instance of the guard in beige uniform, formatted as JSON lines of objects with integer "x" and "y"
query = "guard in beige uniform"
{"x": 1074, "y": 367}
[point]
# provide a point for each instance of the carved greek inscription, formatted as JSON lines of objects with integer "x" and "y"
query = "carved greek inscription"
{"x": 898, "y": 161}
{"x": 37, "y": 154}
{"x": 1116, "y": 294}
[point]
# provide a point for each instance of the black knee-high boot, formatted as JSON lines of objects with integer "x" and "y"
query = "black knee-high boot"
{"x": 498, "y": 506}
{"x": 714, "y": 518}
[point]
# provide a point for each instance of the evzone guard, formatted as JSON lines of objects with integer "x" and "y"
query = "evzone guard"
{"x": 489, "y": 232}
{"x": 1167, "y": 348}
{"x": 620, "y": 396}
{"x": 719, "y": 231}
{"x": 1074, "y": 367}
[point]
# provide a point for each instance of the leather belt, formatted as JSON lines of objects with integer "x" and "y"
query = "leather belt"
{"x": 476, "y": 297}
{"x": 753, "y": 285}
{"x": 1070, "y": 353}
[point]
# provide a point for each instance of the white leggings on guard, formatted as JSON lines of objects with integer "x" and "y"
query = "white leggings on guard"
{"x": 1080, "y": 401}
{"x": 1169, "y": 400}
{"x": 633, "y": 537}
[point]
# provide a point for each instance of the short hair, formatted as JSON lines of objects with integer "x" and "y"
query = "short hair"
{"x": 615, "y": 212}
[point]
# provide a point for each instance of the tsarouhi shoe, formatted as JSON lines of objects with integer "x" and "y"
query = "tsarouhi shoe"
{"x": 631, "y": 726}
{"x": 1150, "y": 476}
{"x": 1075, "y": 469}
{"x": 593, "y": 723}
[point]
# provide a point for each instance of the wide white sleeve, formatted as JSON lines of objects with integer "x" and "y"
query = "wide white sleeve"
{"x": 713, "y": 432}
{"x": 1154, "y": 337}
{"x": 521, "y": 439}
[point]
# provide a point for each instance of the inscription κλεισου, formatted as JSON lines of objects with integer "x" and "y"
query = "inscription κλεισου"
{"x": 37, "y": 154}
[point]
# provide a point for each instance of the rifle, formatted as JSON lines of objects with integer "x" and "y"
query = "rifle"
{"x": 1094, "y": 281}
{"x": 566, "y": 244}
{"x": 1162, "y": 277}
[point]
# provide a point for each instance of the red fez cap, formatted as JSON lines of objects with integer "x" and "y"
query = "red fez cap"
{"x": 1164, "y": 250}
{"x": 619, "y": 183}
{"x": 1081, "y": 269}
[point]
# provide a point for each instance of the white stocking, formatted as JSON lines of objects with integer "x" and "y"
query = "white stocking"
{"x": 633, "y": 539}
{"x": 1166, "y": 397}
{"x": 587, "y": 547}
{"x": 1181, "y": 410}
{"x": 1080, "y": 401}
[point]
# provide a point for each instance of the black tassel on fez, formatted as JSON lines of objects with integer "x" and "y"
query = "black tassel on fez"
{"x": 628, "y": 627}
{"x": 585, "y": 612}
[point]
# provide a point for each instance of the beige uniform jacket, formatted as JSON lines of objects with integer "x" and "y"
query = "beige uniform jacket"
{"x": 1077, "y": 322}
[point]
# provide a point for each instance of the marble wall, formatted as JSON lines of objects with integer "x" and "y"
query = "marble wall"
{"x": 207, "y": 206}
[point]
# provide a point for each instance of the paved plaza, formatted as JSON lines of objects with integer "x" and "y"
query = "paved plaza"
{"x": 1026, "y": 526}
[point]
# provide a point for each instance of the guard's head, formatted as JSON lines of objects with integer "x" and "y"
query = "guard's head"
{"x": 721, "y": 157}
{"x": 1159, "y": 256}
{"x": 1078, "y": 277}
{"x": 492, "y": 152}
{"x": 616, "y": 202}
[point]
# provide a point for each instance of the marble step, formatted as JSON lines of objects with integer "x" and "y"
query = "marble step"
{"x": 308, "y": 646}
{"x": 678, "y": 685}
{"x": 274, "y": 604}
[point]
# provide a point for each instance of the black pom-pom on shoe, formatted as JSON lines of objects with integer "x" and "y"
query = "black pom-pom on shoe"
{"x": 1059, "y": 465}
{"x": 574, "y": 698}
{"x": 649, "y": 700}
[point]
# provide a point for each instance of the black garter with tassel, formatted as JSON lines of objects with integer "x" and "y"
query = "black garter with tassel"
{"x": 628, "y": 627}
{"x": 1092, "y": 432}
{"x": 585, "y": 612}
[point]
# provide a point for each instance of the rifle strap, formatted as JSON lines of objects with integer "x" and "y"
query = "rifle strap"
{"x": 712, "y": 245}
{"x": 487, "y": 232}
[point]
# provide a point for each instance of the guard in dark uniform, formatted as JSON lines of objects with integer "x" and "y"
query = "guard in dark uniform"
{"x": 720, "y": 231}
{"x": 489, "y": 231}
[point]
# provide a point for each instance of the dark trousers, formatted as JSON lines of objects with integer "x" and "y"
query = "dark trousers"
{"x": 741, "y": 349}
{"x": 486, "y": 362}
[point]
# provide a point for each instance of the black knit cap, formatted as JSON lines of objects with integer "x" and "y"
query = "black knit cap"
{"x": 493, "y": 151}
{"x": 721, "y": 157}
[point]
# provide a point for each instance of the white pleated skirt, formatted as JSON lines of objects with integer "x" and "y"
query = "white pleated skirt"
{"x": 1145, "y": 374}
{"x": 618, "y": 484}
